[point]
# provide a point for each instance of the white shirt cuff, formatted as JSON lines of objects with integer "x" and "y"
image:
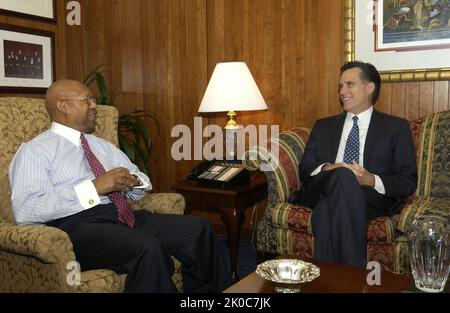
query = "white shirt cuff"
{"x": 87, "y": 194}
{"x": 318, "y": 169}
{"x": 379, "y": 186}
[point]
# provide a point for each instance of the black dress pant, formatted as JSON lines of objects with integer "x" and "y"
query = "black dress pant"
{"x": 144, "y": 252}
{"x": 341, "y": 209}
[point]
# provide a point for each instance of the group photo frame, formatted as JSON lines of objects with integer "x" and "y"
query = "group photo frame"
{"x": 44, "y": 10}
{"x": 26, "y": 59}
{"x": 405, "y": 40}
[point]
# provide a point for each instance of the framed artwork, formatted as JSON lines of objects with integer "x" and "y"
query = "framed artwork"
{"x": 407, "y": 40}
{"x": 36, "y": 9}
{"x": 26, "y": 59}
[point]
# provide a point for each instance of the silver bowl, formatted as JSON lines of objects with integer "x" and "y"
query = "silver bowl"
{"x": 288, "y": 271}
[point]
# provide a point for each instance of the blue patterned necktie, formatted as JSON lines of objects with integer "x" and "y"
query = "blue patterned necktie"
{"x": 352, "y": 146}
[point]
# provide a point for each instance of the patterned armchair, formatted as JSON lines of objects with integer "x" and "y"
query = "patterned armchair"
{"x": 286, "y": 228}
{"x": 36, "y": 258}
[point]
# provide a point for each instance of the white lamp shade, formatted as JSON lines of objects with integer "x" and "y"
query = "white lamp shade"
{"x": 232, "y": 88}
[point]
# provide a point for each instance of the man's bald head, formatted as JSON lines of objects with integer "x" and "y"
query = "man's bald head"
{"x": 69, "y": 103}
{"x": 61, "y": 89}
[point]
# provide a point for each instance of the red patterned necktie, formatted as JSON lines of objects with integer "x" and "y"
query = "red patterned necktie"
{"x": 124, "y": 209}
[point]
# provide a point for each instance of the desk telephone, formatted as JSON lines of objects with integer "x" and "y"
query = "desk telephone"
{"x": 220, "y": 173}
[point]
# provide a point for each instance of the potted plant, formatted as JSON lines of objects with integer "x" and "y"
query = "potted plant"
{"x": 135, "y": 138}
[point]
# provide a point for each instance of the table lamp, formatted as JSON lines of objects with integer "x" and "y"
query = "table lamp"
{"x": 232, "y": 88}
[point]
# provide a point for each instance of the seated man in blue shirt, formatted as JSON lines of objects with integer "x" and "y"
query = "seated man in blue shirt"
{"x": 69, "y": 179}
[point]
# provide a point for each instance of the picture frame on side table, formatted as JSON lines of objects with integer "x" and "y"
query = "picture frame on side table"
{"x": 44, "y": 10}
{"x": 27, "y": 62}
{"x": 405, "y": 40}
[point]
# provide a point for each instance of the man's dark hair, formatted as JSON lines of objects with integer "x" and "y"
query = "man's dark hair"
{"x": 368, "y": 73}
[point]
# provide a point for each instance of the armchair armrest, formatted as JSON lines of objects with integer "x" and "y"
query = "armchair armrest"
{"x": 168, "y": 203}
{"x": 422, "y": 205}
{"x": 48, "y": 244}
{"x": 279, "y": 159}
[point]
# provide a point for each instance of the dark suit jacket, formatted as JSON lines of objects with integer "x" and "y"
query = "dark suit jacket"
{"x": 388, "y": 151}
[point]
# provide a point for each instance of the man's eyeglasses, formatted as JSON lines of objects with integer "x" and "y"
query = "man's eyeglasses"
{"x": 88, "y": 99}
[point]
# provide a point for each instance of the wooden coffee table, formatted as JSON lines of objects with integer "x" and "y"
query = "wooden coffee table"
{"x": 333, "y": 277}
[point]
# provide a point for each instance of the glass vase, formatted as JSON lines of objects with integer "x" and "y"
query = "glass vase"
{"x": 429, "y": 248}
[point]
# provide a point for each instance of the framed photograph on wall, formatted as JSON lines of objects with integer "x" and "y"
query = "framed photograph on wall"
{"x": 36, "y": 9}
{"x": 26, "y": 59}
{"x": 405, "y": 40}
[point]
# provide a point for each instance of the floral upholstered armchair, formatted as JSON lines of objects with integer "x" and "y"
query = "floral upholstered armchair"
{"x": 286, "y": 228}
{"x": 37, "y": 258}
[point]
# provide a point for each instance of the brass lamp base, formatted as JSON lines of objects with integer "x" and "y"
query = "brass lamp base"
{"x": 231, "y": 124}
{"x": 232, "y": 132}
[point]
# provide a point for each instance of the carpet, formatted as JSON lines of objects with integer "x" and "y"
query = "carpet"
{"x": 246, "y": 263}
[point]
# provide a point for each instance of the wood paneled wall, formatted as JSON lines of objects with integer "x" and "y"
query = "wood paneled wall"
{"x": 160, "y": 55}
{"x": 156, "y": 53}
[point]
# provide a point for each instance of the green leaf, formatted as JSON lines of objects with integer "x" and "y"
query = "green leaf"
{"x": 141, "y": 114}
{"x": 127, "y": 147}
{"x": 101, "y": 84}
{"x": 90, "y": 77}
{"x": 88, "y": 80}
{"x": 137, "y": 127}
{"x": 144, "y": 131}
{"x": 141, "y": 153}
{"x": 141, "y": 164}
{"x": 131, "y": 128}
{"x": 113, "y": 96}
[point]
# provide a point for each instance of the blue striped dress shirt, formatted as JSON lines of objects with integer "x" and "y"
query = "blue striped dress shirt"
{"x": 50, "y": 177}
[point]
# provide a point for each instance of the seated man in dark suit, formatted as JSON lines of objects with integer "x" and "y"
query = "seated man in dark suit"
{"x": 357, "y": 166}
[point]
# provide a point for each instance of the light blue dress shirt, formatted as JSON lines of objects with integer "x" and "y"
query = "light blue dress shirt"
{"x": 50, "y": 177}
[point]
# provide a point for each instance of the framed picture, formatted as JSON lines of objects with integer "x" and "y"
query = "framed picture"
{"x": 26, "y": 59}
{"x": 406, "y": 40}
{"x": 36, "y": 9}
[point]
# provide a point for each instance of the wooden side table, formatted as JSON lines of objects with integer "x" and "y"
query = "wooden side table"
{"x": 230, "y": 202}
